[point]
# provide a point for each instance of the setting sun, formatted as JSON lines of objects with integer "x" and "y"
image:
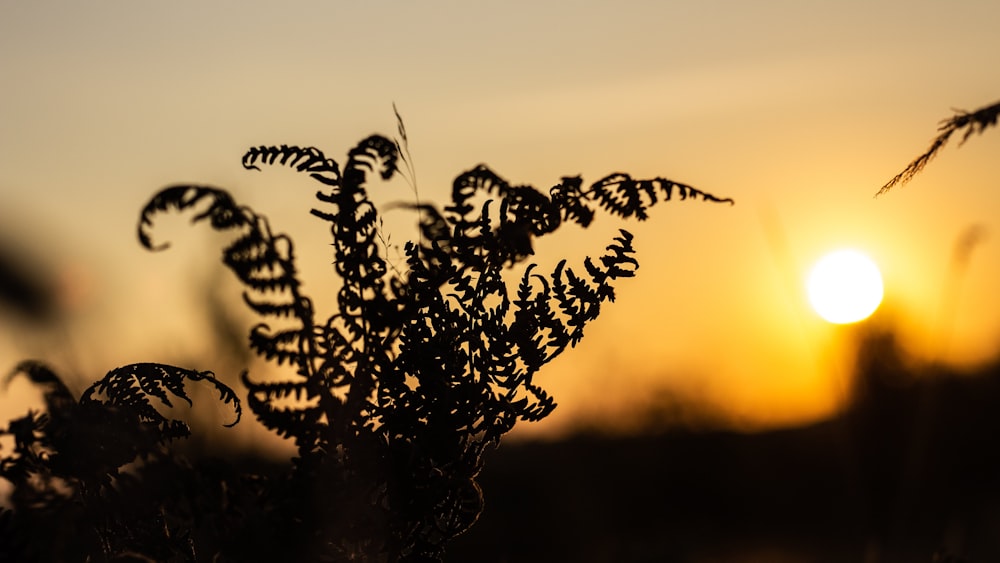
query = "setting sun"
{"x": 844, "y": 286}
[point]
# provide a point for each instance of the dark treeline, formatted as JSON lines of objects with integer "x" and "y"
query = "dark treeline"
{"x": 910, "y": 471}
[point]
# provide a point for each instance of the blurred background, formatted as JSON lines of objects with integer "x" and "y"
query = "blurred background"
{"x": 710, "y": 379}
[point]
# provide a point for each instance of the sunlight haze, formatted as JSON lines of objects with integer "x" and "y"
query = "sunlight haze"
{"x": 799, "y": 111}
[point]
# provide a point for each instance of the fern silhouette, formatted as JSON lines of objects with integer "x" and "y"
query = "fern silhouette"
{"x": 393, "y": 400}
{"x": 69, "y": 465}
{"x": 972, "y": 122}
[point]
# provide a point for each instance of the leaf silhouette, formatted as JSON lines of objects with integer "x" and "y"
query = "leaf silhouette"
{"x": 396, "y": 396}
{"x": 972, "y": 122}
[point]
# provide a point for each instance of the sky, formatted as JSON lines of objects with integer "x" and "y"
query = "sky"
{"x": 799, "y": 111}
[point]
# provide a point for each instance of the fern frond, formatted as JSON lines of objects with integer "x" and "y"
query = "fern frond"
{"x": 333, "y": 372}
{"x": 624, "y": 196}
{"x": 272, "y": 309}
{"x": 479, "y": 179}
{"x": 265, "y": 282}
{"x": 973, "y": 122}
{"x": 226, "y": 393}
{"x": 535, "y": 328}
{"x": 282, "y": 346}
{"x": 132, "y": 386}
{"x": 222, "y": 211}
{"x": 542, "y": 406}
{"x": 569, "y": 197}
{"x": 252, "y": 248}
{"x": 302, "y": 159}
{"x": 279, "y": 390}
{"x": 365, "y": 217}
{"x": 375, "y": 153}
{"x": 303, "y": 424}
{"x": 262, "y": 261}
{"x": 397, "y": 396}
{"x": 299, "y": 424}
{"x": 618, "y": 264}
{"x": 578, "y": 301}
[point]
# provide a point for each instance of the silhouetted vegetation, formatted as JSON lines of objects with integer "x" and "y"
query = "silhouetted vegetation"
{"x": 392, "y": 402}
{"x": 908, "y": 471}
{"x": 971, "y": 122}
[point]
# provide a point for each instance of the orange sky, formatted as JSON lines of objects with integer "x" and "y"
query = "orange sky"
{"x": 797, "y": 110}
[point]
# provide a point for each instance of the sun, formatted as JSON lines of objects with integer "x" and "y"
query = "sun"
{"x": 844, "y": 286}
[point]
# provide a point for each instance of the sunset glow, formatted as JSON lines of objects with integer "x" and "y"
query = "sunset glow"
{"x": 845, "y": 286}
{"x": 800, "y": 109}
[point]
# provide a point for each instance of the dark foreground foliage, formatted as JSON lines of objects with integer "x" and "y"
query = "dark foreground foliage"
{"x": 391, "y": 402}
{"x": 909, "y": 471}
